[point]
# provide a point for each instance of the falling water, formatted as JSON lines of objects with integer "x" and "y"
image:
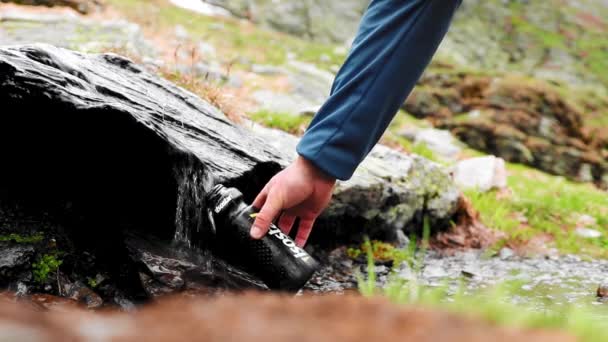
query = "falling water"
{"x": 192, "y": 224}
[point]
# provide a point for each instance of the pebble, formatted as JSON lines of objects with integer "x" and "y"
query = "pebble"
{"x": 587, "y": 233}
{"x": 506, "y": 253}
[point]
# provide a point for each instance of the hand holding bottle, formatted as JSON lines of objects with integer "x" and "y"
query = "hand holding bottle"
{"x": 300, "y": 191}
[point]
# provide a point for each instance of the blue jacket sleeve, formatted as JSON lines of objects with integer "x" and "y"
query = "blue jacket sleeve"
{"x": 395, "y": 42}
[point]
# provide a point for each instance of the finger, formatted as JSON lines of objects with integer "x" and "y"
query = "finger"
{"x": 286, "y": 223}
{"x": 270, "y": 210}
{"x": 259, "y": 201}
{"x": 304, "y": 231}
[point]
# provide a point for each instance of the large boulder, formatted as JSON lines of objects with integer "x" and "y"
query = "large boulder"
{"x": 326, "y": 21}
{"x": 96, "y": 147}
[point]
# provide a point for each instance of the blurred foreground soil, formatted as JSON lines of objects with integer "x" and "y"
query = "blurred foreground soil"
{"x": 254, "y": 317}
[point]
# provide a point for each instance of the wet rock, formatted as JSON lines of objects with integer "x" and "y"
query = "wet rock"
{"x": 14, "y": 259}
{"x": 50, "y": 302}
{"x": 168, "y": 268}
{"x": 81, "y": 293}
{"x": 482, "y": 173}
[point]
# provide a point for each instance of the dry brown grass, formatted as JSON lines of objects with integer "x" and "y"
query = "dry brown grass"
{"x": 211, "y": 91}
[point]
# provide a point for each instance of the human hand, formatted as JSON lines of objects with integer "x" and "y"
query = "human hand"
{"x": 300, "y": 191}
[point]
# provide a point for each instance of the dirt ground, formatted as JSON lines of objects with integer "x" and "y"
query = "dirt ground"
{"x": 255, "y": 317}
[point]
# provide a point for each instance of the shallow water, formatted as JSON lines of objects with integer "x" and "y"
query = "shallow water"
{"x": 539, "y": 283}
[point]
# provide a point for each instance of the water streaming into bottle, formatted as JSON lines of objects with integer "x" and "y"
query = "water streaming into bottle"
{"x": 193, "y": 228}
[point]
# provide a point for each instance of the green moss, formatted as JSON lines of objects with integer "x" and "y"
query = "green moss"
{"x": 380, "y": 251}
{"x": 295, "y": 124}
{"x": 45, "y": 265}
{"x": 22, "y": 239}
{"x": 92, "y": 283}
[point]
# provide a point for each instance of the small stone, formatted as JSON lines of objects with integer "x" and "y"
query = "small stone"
{"x": 434, "y": 271}
{"x": 586, "y": 221}
{"x": 402, "y": 240}
{"x": 347, "y": 263}
{"x": 340, "y": 50}
{"x": 181, "y": 33}
{"x": 267, "y": 70}
{"x": 602, "y": 291}
{"x": 380, "y": 269}
{"x": 506, "y": 253}
{"x": 468, "y": 274}
{"x": 483, "y": 173}
{"x": 310, "y": 111}
{"x": 527, "y": 287}
{"x": 405, "y": 271}
{"x": 439, "y": 141}
{"x": 206, "y": 50}
{"x": 587, "y": 233}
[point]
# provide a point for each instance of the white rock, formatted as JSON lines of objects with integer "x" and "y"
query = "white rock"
{"x": 207, "y": 50}
{"x": 506, "y": 253}
{"x": 181, "y": 33}
{"x": 585, "y": 220}
{"x": 201, "y": 7}
{"x": 439, "y": 141}
{"x": 482, "y": 173}
{"x": 434, "y": 271}
{"x": 587, "y": 233}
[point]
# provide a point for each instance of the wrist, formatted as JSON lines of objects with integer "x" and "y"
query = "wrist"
{"x": 313, "y": 169}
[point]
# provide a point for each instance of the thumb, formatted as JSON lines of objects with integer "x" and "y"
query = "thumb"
{"x": 270, "y": 210}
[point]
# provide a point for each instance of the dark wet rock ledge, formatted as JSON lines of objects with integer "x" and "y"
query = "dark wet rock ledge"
{"x": 104, "y": 165}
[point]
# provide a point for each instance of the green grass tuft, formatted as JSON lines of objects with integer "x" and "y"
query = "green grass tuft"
{"x": 295, "y": 124}
{"x": 45, "y": 265}
{"x": 543, "y": 203}
{"x": 22, "y": 239}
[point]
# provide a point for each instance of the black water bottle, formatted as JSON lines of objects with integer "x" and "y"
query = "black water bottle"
{"x": 275, "y": 258}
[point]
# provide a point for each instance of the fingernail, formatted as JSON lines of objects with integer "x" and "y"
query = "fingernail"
{"x": 256, "y": 232}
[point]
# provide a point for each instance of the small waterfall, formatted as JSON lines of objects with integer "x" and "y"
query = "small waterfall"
{"x": 192, "y": 225}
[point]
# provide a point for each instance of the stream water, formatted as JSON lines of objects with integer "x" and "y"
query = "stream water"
{"x": 541, "y": 283}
